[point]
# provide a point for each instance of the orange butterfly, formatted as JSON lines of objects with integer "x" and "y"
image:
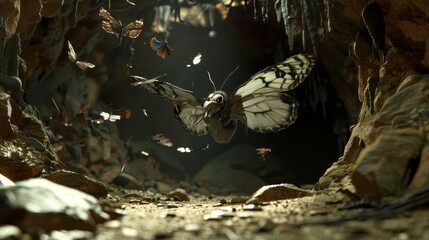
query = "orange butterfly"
{"x": 161, "y": 47}
{"x": 115, "y": 27}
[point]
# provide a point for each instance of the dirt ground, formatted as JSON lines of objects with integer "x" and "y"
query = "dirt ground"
{"x": 151, "y": 215}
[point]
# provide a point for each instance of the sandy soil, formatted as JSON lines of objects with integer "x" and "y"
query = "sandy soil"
{"x": 151, "y": 215}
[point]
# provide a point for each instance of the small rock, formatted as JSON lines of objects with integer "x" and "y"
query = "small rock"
{"x": 163, "y": 235}
{"x": 10, "y": 232}
{"x": 112, "y": 224}
{"x": 381, "y": 168}
{"x": 179, "y": 194}
{"x": 129, "y": 232}
{"x": 172, "y": 206}
{"x": 127, "y": 181}
{"x": 243, "y": 215}
{"x": 78, "y": 181}
{"x": 228, "y": 209}
{"x": 238, "y": 200}
{"x": 192, "y": 227}
{"x": 210, "y": 217}
{"x": 43, "y": 204}
{"x": 70, "y": 235}
{"x": 169, "y": 215}
{"x": 278, "y": 192}
{"x": 222, "y": 201}
{"x": 252, "y": 207}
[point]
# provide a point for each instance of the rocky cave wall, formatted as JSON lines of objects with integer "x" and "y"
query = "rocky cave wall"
{"x": 386, "y": 154}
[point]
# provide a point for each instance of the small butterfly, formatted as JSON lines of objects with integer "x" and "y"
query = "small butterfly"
{"x": 162, "y": 139}
{"x": 161, "y": 47}
{"x": 125, "y": 113}
{"x": 262, "y": 152}
{"x": 73, "y": 57}
{"x": 260, "y": 103}
{"x": 115, "y": 27}
{"x": 110, "y": 117}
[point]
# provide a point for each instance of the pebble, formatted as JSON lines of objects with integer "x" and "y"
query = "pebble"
{"x": 127, "y": 181}
{"x": 228, "y": 209}
{"x": 238, "y": 200}
{"x": 252, "y": 207}
{"x": 209, "y": 217}
{"x": 112, "y": 224}
{"x": 169, "y": 215}
{"x": 129, "y": 232}
{"x": 10, "y": 232}
{"x": 191, "y": 227}
{"x": 178, "y": 194}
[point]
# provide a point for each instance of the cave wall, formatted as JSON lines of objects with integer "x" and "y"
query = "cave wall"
{"x": 386, "y": 152}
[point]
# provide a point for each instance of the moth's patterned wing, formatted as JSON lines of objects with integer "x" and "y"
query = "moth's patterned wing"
{"x": 133, "y": 29}
{"x": 71, "y": 53}
{"x": 266, "y": 107}
{"x": 84, "y": 65}
{"x": 109, "y": 24}
{"x": 187, "y": 107}
{"x": 73, "y": 57}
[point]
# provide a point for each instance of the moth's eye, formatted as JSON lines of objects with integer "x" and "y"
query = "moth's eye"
{"x": 219, "y": 99}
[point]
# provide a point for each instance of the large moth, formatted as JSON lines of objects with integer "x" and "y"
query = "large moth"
{"x": 260, "y": 103}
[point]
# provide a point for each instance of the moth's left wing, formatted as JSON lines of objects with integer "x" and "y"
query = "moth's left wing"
{"x": 262, "y": 104}
{"x": 188, "y": 108}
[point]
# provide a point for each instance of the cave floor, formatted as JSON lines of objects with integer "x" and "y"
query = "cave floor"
{"x": 150, "y": 215}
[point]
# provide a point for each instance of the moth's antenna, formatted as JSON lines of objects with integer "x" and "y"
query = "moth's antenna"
{"x": 210, "y": 78}
{"x": 229, "y": 75}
